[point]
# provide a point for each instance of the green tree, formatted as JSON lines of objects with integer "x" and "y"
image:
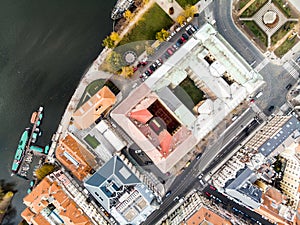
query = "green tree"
{"x": 44, "y": 170}
{"x": 108, "y": 42}
{"x": 162, "y": 35}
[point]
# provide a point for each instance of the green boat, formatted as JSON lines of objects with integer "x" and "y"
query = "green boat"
{"x": 19, "y": 152}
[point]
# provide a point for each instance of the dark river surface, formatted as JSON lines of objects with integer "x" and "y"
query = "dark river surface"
{"x": 45, "y": 47}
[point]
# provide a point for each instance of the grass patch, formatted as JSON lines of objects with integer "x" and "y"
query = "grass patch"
{"x": 285, "y": 10}
{"x": 253, "y": 8}
{"x": 257, "y": 32}
{"x": 242, "y": 3}
{"x": 94, "y": 87}
{"x": 185, "y": 3}
{"x": 187, "y": 91}
{"x": 92, "y": 141}
{"x": 282, "y": 31}
{"x": 147, "y": 27}
{"x": 285, "y": 47}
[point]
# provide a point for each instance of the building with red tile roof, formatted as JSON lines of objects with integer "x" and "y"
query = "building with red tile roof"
{"x": 73, "y": 155}
{"x": 49, "y": 204}
{"x": 91, "y": 110}
{"x": 274, "y": 207}
{"x": 154, "y": 127}
{"x": 205, "y": 215}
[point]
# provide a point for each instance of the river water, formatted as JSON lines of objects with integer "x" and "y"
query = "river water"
{"x": 45, "y": 47}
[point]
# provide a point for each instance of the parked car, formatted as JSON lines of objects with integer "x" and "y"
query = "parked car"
{"x": 288, "y": 87}
{"x": 152, "y": 67}
{"x": 169, "y": 50}
{"x": 158, "y": 62}
{"x": 168, "y": 193}
{"x": 185, "y": 36}
{"x": 271, "y": 108}
{"x": 147, "y": 73}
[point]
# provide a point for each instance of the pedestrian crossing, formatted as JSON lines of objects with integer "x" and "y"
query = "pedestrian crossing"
{"x": 291, "y": 70}
{"x": 260, "y": 66}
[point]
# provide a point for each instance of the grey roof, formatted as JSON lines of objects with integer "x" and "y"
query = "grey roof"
{"x": 111, "y": 181}
{"x": 167, "y": 96}
{"x": 243, "y": 184}
{"x": 286, "y": 130}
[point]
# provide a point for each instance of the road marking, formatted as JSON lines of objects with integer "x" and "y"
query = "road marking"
{"x": 260, "y": 66}
{"x": 291, "y": 70}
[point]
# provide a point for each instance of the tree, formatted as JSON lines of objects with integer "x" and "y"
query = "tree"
{"x": 114, "y": 36}
{"x": 127, "y": 71}
{"x": 190, "y": 11}
{"x": 180, "y": 19}
{"x": 149, "y": 50}
{"x": 162, "y": 35}
{"x": 44, "y": 170}
{"x": 128, "y": 15}
{"x": 107, "y": 42}
{"x": 114, "y": 60}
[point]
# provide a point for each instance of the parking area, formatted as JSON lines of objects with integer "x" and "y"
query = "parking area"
{"x": 177, "y": 39}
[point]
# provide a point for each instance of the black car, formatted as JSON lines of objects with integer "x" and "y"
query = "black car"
{"x": 153, "y": 68}
{"x": 147, "y": 73}
{"x": 189, "y": 32}
{"x": 179, "y": 41}
{"x": 288, "y": 87}
{"x": 184, "y": 35}
{"x": 271, "y": 108}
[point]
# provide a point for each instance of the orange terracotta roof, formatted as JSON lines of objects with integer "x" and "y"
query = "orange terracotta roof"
{"x": 271, "y": 199}
{"x": 93, "y": 108}
{"x": 204, "y": 214}
{"x": 165, "y": 140}
{"x": 142, "y": 115}
{"x": 67, "y": 209}
{"x": 73, "y": 148}
{"x": 275, "y": 195}
{"x": 39, "y": 219}
{"x": 27, "y": 214}
{"x": 74, "y": 215}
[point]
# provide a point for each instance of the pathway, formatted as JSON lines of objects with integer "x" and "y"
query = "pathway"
{"x": 245, "y": 7}
{"x": 165, "y": 5}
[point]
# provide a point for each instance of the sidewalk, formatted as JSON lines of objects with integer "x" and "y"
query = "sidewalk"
{"x": 165, "y": 5}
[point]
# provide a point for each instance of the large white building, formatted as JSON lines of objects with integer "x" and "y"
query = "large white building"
{"x": 215, "y": 69}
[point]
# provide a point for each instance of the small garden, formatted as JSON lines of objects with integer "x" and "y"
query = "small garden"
{"x": 257, "y": 32}
{"x": 285, "y": 46}
{"x": 147, "y": 27}
{"x": 285, "y": 9}
{"x": 282, "y": 32}
{"x": 187, "y": 91}
{"x": 92, "y": 141}
{"x": 253, "y": 8}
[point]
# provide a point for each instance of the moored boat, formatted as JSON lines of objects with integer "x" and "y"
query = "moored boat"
{"x": 120, "y": 7}
{"x": 20, "y": 151}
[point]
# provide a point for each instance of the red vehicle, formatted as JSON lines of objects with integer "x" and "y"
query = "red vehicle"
{"x": 170, "y": 51}
{"x": 208, "y": 194}
{"x": 212, "y": 187}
